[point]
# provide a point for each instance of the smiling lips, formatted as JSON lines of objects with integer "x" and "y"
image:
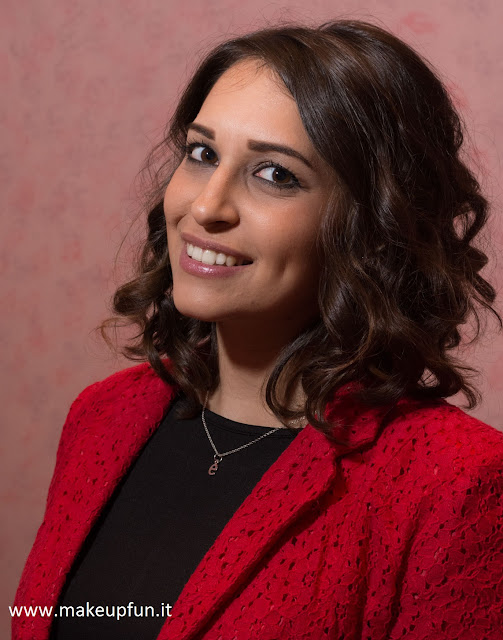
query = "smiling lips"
{"x": 212, "y": 253}
{"x": 210, "y": 260}
{"x": 210, "y": 257}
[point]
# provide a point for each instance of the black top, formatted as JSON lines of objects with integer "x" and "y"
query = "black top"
{"x": 160, "y": 522}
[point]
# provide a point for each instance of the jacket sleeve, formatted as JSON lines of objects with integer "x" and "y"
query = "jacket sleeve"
{"x": 452, "y": 587}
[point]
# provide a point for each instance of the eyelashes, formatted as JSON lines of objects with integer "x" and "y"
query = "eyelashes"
{"x": 279, "y": 170}
{"x": 211, "y": 158}
{"x": 190, "y": 148}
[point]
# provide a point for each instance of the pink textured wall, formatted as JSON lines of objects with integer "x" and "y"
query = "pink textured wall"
{"x": 86, "y": 88}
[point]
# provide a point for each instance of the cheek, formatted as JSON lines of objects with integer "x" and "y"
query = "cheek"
{"x": 301, "y": 253}
{"x": 295, "y": 242}
{"x": 172, "y": 214}
{"x": 177, "y": 197}
{"x": 172, "y": 204}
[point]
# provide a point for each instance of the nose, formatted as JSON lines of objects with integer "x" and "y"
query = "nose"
{"x": 216, "y": 201}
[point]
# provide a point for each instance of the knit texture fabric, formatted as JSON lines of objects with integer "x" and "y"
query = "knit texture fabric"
{"x": 397, "y": 535}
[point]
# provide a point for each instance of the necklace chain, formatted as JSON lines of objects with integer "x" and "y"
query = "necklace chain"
{"x": 218, "y": 456}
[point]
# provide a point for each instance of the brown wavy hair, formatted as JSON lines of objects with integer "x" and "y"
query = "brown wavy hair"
{"x": 400, "y": 272}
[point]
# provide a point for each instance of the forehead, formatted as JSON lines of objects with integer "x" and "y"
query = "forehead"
{"x": 248, "y": 72}
{"x": 249, "y": 98}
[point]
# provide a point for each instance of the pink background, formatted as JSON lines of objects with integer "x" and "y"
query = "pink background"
{"x": 87, "y": 88}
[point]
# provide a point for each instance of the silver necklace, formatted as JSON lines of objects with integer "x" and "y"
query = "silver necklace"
{"x": 217, "y": 458}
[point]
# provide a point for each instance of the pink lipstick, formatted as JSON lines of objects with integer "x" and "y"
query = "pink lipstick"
{"x": 203, "y": 270}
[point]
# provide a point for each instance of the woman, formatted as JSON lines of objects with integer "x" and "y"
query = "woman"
{"x": 285, "y": 465}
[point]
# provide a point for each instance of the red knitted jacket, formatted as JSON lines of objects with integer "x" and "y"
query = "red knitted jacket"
{"x": 397, "y": 535}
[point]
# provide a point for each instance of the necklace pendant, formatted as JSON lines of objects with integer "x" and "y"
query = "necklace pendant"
{"x": 214, "y": 467}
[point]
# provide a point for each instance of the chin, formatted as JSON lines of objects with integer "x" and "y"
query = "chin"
{"x": 198, "y": 310}
{"x": 203, "y": 317}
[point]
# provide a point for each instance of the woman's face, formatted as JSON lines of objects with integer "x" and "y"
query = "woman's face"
{"x": 251, "y": 185}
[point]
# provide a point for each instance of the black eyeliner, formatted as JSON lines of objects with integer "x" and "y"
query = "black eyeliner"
{"x": 271, "y": 163}
{"x": 189, "y": 147}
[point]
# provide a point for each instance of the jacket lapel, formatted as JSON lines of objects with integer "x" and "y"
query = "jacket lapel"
{"x": 299, "y": 477}
{"x": 303, "y": 472}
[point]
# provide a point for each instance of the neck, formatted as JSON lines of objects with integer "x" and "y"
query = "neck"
{"x": 246, "y": 358}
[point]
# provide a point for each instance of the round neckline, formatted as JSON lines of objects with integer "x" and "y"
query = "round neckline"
{"x": 225, "y": 424}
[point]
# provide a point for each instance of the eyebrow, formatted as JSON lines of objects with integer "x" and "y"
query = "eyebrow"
{"x": 255, "y": 145}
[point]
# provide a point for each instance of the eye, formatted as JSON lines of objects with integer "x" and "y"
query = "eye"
{"x": 278, "y": 176}
{"x": 200, "y": 152}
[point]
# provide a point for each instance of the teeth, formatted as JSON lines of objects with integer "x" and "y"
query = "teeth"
{"x": 197, "y": 254}
{"x": 207, "y": 256}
